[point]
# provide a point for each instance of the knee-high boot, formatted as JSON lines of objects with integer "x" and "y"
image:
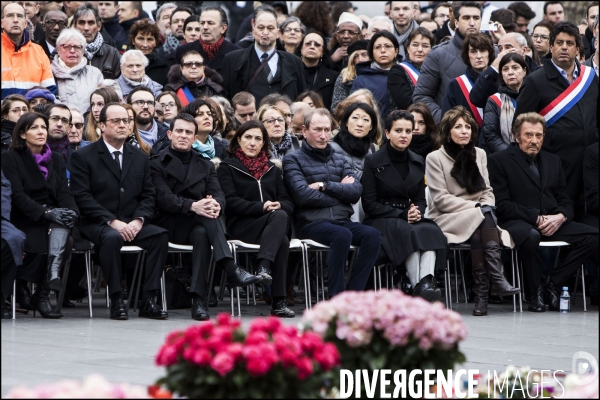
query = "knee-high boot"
{"x": 58, "y": 240}
{"x": 495, "y": 267}
{"x": 41, "y": 302}
{"x": 481, "y": 282}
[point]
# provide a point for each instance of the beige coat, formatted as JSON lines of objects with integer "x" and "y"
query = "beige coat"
{"x": 450, "y": 206}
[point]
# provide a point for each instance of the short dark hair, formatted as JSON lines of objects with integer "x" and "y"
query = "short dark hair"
{"x": 83, "y": 10}
{"x": 181, "y": 8}
{"x": 191, "y": 53}
{"x": 433, "y": 12}
{"x": 173, "y": 95}
{"x": 242, "y": 99}
{"x": 388, "y": 35}
{"x": 140, "y": 88}
{"x": 457, "y": 5}
{"x": 273, "y": 99}
{"x": 246, "y": 126}
{"x": 450, "y": 118}
{"x": 587, "y": 11}
{"x": 549, "y": 3}
{"x": 314, "y": 96}
{"x": 22, "y": 126}
{"x": 566, "y": 27}
{"x": 222, "y": 13}
{"x": 325, "y": 58}
{"x": 146, "y": 28}
{"x": 137, "y": 5}
{"x": 395, "y": 116}
{"x": 264, "y": 8}
{"x": 545, "y": 23}
{"x": 366, "y": 108}
{"x": 191, "y": 18}
{"x": 61, "y": 106}
{"x": 522, "y": 9}
{"x": 508, "y": 58}
{"x": 102, "y": 117}
{"x": 506, "y": 17}
{"x": 430, "y": 125}
{"x": 426, "y": 33}
{"x": 185, "y": 117}
{"x": 478, "y": 41}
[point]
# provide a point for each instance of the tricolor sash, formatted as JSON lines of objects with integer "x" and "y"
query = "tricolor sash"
{"x": 569, "y": 97}
{"x": 465, "y": 86}
{"x": 185, "y": 96}
{"x": 498, "y": 100}
{"x": 411, "y": 71}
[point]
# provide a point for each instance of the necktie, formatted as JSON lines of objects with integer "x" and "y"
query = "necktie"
{"x": 267, "y": 69}
{"x": 117, "y": 154}
{"x": 534, "y": 169}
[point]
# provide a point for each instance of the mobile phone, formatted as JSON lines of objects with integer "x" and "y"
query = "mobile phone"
{"x": 489, "y": 27}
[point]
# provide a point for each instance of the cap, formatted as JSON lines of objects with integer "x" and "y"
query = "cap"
{"x": 358, "y": 45}
{"x": 349, "y": 17}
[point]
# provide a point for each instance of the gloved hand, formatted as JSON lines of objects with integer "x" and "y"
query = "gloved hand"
{"x": 69, "y": 218}
{"x": 54, "y": 215}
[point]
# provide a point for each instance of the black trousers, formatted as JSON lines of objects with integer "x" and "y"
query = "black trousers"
{"x": 274, "y": 246}
{"x": 151, "y": 238}
{"x": 582, "y": 237}
{"x": 8, "y": 270}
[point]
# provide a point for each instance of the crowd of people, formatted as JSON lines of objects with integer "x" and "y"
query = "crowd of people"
{"x": 398, "y": 134}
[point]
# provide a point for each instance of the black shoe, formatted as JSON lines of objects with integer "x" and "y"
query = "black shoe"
{"x": 198, "y": 312}
{"x": 213, "y": 301}
{"x": 78, "y": 294}
{"x": 242, "y": 278}
{"x": 41, "y": 302}
{"x": 23, "y": 296}
{"x": 552, "y": 296}
{"x": 67, "y": 304}
{"x": 149, "y": 309}
{"x": 124, "y": 293}
{"x": 426, "y": 289}
{"x": 536, "y": 302}
{"x": 117, "y": 310}
{"x": 281, "y": 310}
{"x": 266, "y": 275}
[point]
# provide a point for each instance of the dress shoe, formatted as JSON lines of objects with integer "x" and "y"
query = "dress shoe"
{"x": 289, "y": 297}
{"x": 149, "y": 309}
{"x": 41, "y": 304}
{"x": 212, "y": 300}
{"x": 117, "y": 310}
{"x": 552, "y": 296}
{"x": 242, "y": 278}
{"x": 426, "y": 289}
{"x": 536, "y": 303}
{"x": 266, "y": 275}
{"x": 280, "y": 309}
{"x": 23, "y": 296}
{"x": 198, "y": 312}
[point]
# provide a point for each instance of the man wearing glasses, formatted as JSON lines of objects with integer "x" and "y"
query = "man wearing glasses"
{"x": 261, "y": 69}
{"x": 54, "y": 23}
{"x": 154, "y": 134}
{"x": 59, "y": 124}
{"x": 348, "y": 31}
{"x": 111, "y": 182}
{"x": 19, "y": 53}
{"x": 76, "y": 131}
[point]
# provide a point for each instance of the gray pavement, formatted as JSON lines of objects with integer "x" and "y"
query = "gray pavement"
{"x": 37, "y": 351}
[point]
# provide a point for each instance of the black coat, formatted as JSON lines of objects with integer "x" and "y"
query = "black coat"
{"x": 590, "y": 180}
{"x": 454, "y": 95}
{"x": 116, "y": 32}
{"x": 162, "y": 140}
{"x": 108, "y": 61}
{"x": 237, "y": 73}
{"x": 442, "y": 32}
{"x": 572, "y": 133}
{"x": 216, "y": 63}
{"x": 491, "y": 131}
{"x": 7, "y": 127}
{"x": 210, "y": 86}
{"x": 44, "y": 46}
{"x": 14, "y": 237}
{"x": 176, "y": 190}
{"x": 246, "y": 195}
{"x": 323, "y": 83}
{"x": 32, "y": 195}
{"x": 519, "y": 197}
{"x": 400, "y": 86}
{"x": 386, "y": 198}
{"x": 103, "y": 193}
{"x": 157, "y": 69}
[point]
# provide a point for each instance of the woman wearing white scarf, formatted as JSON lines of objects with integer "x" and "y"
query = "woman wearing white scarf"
{"x": 500, "y": 108}
{"x": 133, "y": 73}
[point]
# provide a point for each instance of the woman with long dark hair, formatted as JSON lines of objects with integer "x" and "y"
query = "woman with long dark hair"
{"x": 98, "y": 99}
{"x": 205, "y": 114}
{"x": 425, "y": 131}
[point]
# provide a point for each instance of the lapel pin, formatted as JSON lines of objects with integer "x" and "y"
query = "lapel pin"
{"x": 326, "y": 79}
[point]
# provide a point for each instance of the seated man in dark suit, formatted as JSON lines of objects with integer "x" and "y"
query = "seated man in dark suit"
{"x": 190, "y": 201}
{"x": 111, "y": 182}
{"x": 531, "y": 196}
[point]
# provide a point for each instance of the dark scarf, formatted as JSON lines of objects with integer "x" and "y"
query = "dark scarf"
{"x": 257, "y": 166}
{"x": 399, "y": 160}
{"x": 352, "y": 145}
{"x": 60, "y": 146}
{"x": 212, "y": 49}
{"x": 278, "y": 150}
{"x": 43, "y": 159}
{"x": 310, "y": 73}
{"x": 465, "y": 169}
{"x": 421, "y": 144}
{"x": 320, "y": 155}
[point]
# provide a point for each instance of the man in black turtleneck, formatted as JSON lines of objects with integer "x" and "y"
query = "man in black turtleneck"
{"x": 443, "y": 64}
{"x": 190, "y": 201}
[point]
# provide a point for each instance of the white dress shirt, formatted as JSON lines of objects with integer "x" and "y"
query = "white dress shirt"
{"x": 111, "y": 150}
{"x": 272, "y": 62}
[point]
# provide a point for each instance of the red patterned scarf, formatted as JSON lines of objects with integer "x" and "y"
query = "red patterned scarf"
{"x": 211, "y": 49}
{"x": 256, "y": 166}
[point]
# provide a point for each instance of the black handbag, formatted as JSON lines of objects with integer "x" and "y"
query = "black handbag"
{"x": 177, "y": 285}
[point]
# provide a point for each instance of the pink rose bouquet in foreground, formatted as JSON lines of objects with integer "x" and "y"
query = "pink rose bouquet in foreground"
{"x": 217, "y": 360}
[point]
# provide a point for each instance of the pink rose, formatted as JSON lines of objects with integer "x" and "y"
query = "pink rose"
{"x": 257, "y": 337}
{"x": 328, "y": 357}
{"x": 305, "y": 367}
{"x": 166, "y": 356}
{"x": 202, "y": 357}
{"x": 257, "y": 366}
{"x": 235, "y": 349}
{"x": 223, "y": 363}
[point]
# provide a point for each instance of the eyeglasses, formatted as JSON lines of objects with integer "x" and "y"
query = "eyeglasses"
{"x": 16, "y": 110}
{"x": 193, "y": 64}
{"x": 384, "y": 46}
{"x": 168, "y": 105}
{"x": 313, "y": 43}
{"x": 71, "y": 47}
{"x": 56, "y": 119}
{"x": 271, "y": 121}
{"x": 160, "y": 113}
{"x": 288, "y": 115}
{"x": 543, "y": 38}
{"x": 52, "y": 23}
{"x": 78, "y": 125}
{"x": 347, "y": 32}
{"x": 13, "y": 15}
{"x": 119, "y": 121}
{"x": 295, "y": 30}
{"x": 140, "y": 103}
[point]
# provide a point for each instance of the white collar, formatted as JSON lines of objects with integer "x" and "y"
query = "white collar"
{"x": 112, "y": 149}
{"x": 260, "y": 52}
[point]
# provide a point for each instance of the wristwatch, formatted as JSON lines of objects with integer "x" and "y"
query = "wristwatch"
{"x": 321, "y": 186}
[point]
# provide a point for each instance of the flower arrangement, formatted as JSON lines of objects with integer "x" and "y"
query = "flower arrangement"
{"x": 94, "y": 386}
{"x": 217, "y": 360}
{"x": 388, "y": 329}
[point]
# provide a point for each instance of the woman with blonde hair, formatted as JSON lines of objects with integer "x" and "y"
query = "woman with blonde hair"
{"x": 360, "y": 96}
{"x": 343, "y": 83}
{"x": 98, "y": 99}
{"x": 281, "y": 142}
{"x": 134, "y": 137}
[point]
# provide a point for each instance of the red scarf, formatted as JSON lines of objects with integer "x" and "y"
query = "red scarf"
{"x": 256, "y": 166}
{"x": 211, "y": 49}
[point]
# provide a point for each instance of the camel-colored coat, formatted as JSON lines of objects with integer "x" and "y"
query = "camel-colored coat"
{"x": 450, "y": 206}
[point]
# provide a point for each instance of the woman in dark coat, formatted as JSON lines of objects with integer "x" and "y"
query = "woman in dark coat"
{"x": 43, "y": 208}
{"x": 13, "y": 106}
{"x": 317, "y": 66}
{"x": 258, "y": 208}
{"x": 394, "y": 202}
{"x": 193, "y": 79}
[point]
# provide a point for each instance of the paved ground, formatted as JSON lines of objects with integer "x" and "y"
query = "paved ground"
{"x": 36, "y": 350}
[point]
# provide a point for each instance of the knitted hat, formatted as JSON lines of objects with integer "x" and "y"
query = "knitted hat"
{"x": 358, "y": 45}
{"x": 37, "y": 93}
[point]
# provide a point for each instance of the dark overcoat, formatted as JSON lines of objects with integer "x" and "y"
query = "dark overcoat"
{"x": 14, "y": 237}
{"x": 324, "y": 83}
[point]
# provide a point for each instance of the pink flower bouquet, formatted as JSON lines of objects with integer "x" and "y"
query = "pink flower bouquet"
{"x": 217, "y": 360}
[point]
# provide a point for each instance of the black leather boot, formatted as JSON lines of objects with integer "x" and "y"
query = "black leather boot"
{"x": 23, "y": 295}
{"x": 427, "y": 289}
{"x": 57, "y": 256}
{"x": 481, "y": 283}
{"x": 536, "y": 301}
{"x": 198, "y": 312}
{"x": 552, "y": 296}
{"x": 494, "y": 263}
{"x": 242, "y": 278}
{"x": 41, "y": 303}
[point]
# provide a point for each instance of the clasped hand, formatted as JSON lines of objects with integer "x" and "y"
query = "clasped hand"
{"x": 549, "y": 224}
{"x": 414, "y": 215}
{"x": 207, "y": 207}
{"x": 270, "y": 206}
{"x": 128, "y": 231}
{"x": 62, "y": 216}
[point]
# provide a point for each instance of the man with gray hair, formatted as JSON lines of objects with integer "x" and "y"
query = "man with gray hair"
{"x": 163, "y": 19}
{"x": 487, "y": 84}
{"x": 378, "y": 24}
{"x": 298, "y": 110}
{"x": 593, "y": 61}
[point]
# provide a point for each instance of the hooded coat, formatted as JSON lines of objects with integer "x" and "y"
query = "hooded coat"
{"x": 210, "y": 85}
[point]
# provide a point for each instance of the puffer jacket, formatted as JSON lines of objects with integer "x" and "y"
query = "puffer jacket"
{"x": 491, "y": 121}
{"x": 76, "y": 85}
{"x": 301, "y": 168}
{"x": 440, "y": 67}
{"x": 376, "y": 81}
{"x": 210, "y": 86}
